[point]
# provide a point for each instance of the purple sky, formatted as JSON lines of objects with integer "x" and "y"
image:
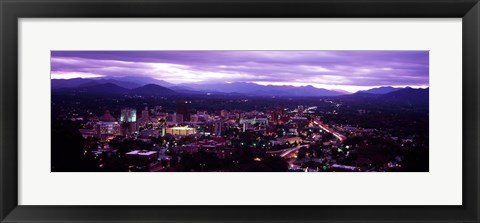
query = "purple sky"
{"x": 347, "y": 70}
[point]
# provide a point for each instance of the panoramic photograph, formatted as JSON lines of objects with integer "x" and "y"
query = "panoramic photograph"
{"x": 240, "y": 111}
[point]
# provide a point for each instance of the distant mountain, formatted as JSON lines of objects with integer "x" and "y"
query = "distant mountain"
{"x": 139, "y": 80}
{"x": 403, "y": 96}
{"x": 69, "y": 83}
{"x": 263, "y": 90}
{"x": 187, "y": 90}
{"x": 149, "y": 86}
{"x": 125, "y": 82}
{"x": 342, "y": 91}
{"x": 360, "y": 95}
{"x": 380, "y": 90}
{"x": 107, "y": 88}
{"x": 113, "y": 89}
{"x": 407, "y": 95}
{"x": 152, "y": 90}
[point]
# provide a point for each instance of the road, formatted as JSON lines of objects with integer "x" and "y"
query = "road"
{"x": 292, "y": 151}
{"x": 288, "y": 155}
{"x": 327, "y": 129}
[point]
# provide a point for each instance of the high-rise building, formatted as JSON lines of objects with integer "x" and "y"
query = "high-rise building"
{"x": 300, "y": 110}
{"x": 282, "y": 109}
{"x": 145, "y": 114}
{"x": 218, "y": 127}
{"x": 128, "y": 115}
{"x": 128, "y": 119}
{"x": 274, "y": 117}
{"x": 184, "y": 108}
{"x": 144, "y": 118}
{"x": 300, "y": 122}
{"x": 256, "y": 124}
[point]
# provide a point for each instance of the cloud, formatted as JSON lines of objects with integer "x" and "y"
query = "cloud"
{"x": 321, "y": 68}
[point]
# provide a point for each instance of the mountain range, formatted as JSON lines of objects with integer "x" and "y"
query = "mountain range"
{"x": 113, "y": 89}
{"x": 262, "y": 90}
{"x": 380, "y": 90}
{"x": 401, "y": 96}
{"x": 152, "y": 87}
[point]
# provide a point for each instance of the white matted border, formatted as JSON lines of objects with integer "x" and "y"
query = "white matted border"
{"x": 441, "y": 186}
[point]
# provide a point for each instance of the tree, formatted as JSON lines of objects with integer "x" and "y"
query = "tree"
{"x": 68, "y": 154}
{"x": 276, "y": 164}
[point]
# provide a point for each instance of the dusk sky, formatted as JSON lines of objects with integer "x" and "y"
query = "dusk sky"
{"x": 346, "y": 70}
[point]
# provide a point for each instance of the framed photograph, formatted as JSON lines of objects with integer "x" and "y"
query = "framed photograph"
{"x": 228, "y": 111}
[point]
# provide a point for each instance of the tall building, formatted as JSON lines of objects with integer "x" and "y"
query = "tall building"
{"x": 128, "y": 118}
{"x": 144, "y": 118}
{"x": 255, "y": 124}
{"x": 218, "y": 127}
{"x": 274, "y": 117}
{"x": 184, "y": 108}
{"x": 282, "y": 109}
{"x": 128, "y": 115}
{"x": 145, "y": 114}
{"x": 300, "y": 110}
{"x": 299, "y": 122}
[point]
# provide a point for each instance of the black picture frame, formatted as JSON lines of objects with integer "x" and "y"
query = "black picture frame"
{"x": 12, "y": 10}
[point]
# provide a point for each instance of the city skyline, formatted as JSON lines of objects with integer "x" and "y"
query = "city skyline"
{"x": 340, "y": 70}
{"x": 240, "y": 111}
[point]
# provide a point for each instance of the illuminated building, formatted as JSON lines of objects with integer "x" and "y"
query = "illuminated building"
{"x": 180, "y": 130}
{"x": 300, "y": 110}
{"x": 184, "y": 108}
{"x": 255, "y": 124}
{"x": 144, "y": 118}
{"x": 218, "y": 127}
{"x": 128, "y": 119}
{"x": 155, "y": 133}
{"x": 194, "y": 118}
{"x": 282, "y": 110}
{"x": 343, "y": 168}
{"x": 299, "y": 121}
{"x": 274, "y": 117}
{"x": 107, "y": 127}
{"x": 292, "y": 140}
{"x": 161, "y": 119}
{"x": 128, "y": 115}
{"x": 142, "y": 158}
